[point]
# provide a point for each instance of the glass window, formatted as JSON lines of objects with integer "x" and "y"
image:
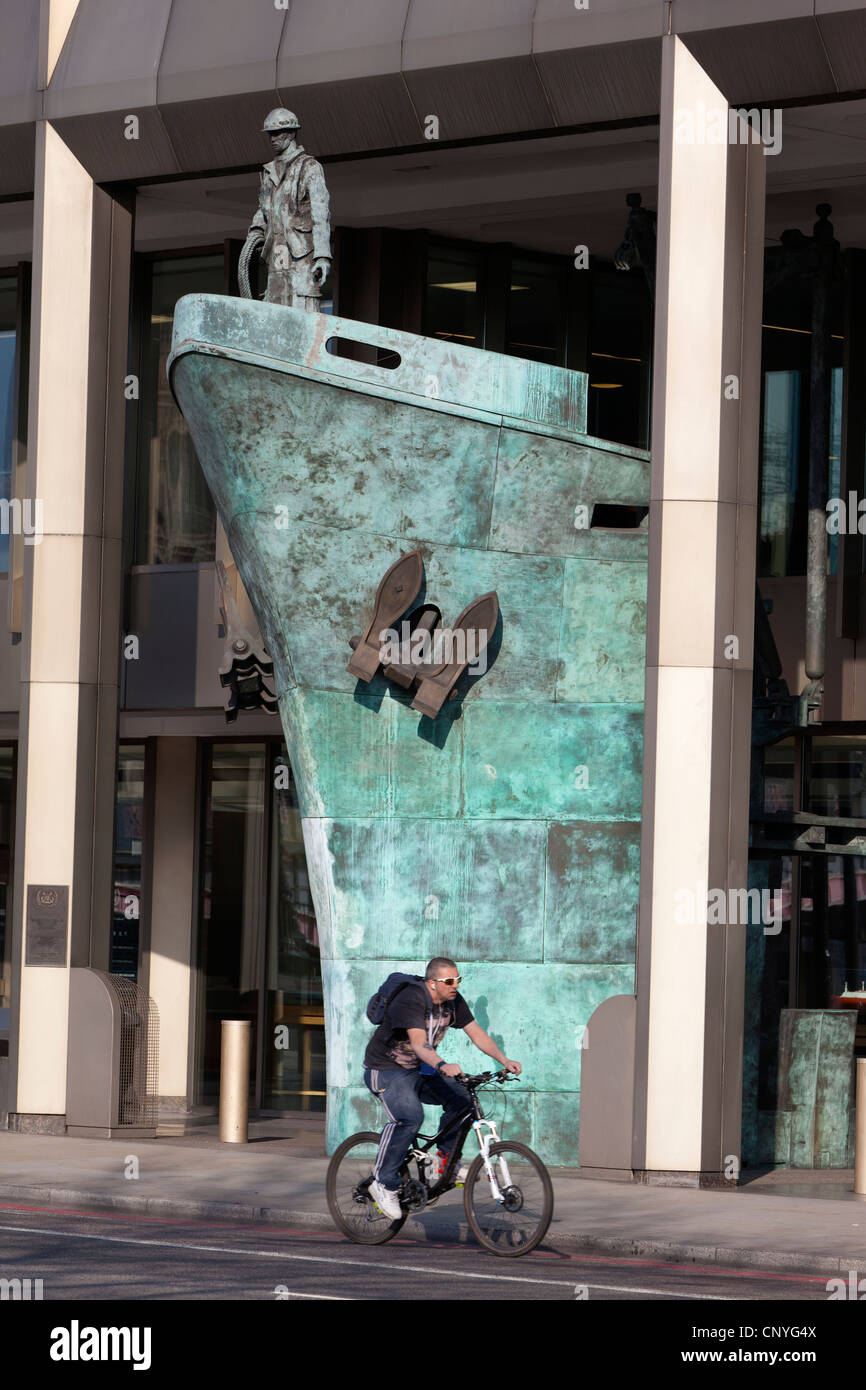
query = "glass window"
{"x": 832, "y": 958}
{"x": 780, "y": 457}
{"x": 7, "y": 807}
{"x": 619, "y": 363}
{"x": 786, "y": 367}
{"x": 258, "y": 945}
{"x": 454, "y": 305}
{"x": 835, "y": 473}
{"x": 836, "y": 783}
{"x": 232, "y": 901}
{"x": 779, "y": 760}
{"x": 128, "y": 843}
{"x": 536, "y": 313}
{"x": 176, "y": 520}
{"x": 8, "y": 318}
{"x": 775, "y": 877}
{"x": 294, "y": 1070}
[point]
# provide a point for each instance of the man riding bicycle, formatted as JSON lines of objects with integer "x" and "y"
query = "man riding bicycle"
{"x": 415, "y": 1021}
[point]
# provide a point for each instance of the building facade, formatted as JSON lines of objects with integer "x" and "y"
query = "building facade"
{"x": 479, "y": 160}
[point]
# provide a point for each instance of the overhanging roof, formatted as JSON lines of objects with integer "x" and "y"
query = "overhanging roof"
{"x": 364, "y": 74}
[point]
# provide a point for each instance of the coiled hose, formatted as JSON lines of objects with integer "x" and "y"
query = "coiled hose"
{"x": 254, "y": 242}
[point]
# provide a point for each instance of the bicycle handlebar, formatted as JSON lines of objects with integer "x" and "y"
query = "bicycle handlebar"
{"x": 473, "y": 1082}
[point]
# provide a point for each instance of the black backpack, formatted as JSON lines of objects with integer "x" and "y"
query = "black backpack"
{"x": 395, "y": 984}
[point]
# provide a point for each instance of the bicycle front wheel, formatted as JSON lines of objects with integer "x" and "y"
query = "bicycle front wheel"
{"x": 350, "y": 1173}
{"x": 517, "y": 1221}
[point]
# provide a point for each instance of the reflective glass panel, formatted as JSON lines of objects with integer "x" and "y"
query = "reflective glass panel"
{"x": 176, "y": 521}
{"x": 536, "y": 313}
{"x": 779, "y": 776}
{"x": 620, "y": 354}
{"x": 294, "y": 1070}
{"x": 835, "y": 471}
{"x": 454, "y": 308}
{"x": 837, "y": 781}
{"x": 7, "y": 805}
{"x": 780, "y": 456}
{"x": 128, "y": 846}
{"x": 232, "y": 901}
{"x": 770, "y": 961}
{"x": 8, "y": 308}
{"x": 832, "y": 963}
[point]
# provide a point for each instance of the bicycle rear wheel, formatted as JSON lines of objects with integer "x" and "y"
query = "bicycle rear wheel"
{"x": 519, "y": 1222}
{"x": 350, "y": 1173}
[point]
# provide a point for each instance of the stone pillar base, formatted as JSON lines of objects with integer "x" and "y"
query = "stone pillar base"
{"x": 36, "y": 1124}
{"x": 657, "y": 1177}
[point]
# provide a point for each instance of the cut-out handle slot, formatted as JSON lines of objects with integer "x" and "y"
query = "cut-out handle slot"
{"x": 357, "y": 351}
{"x": 618, "y": 516}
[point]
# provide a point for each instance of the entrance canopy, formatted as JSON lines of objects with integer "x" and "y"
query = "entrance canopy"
{"x": 199, "y": 74}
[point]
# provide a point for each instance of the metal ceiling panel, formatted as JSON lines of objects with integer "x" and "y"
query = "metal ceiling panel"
{"x": 478, "y": 99}
{"x": 688, "y": 15}
{"x": 616, "y": 82}
{"x": 332, "y": 40}
{"x": 110, "y": 59}
{"x": 764, "y": 62}
{"x": 559, "y": 25}
{"x": 219, "y": 48}
{"x": 845, "y": 38}
{"x": 442, "y": 32}
{"x": 369, "y": 113}
{"x": 98, "y": 142}
{"x": 220, "y": 134}
{"x": 19, "y": 54}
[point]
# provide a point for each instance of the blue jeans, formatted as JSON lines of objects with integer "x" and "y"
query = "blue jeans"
{"x": 403, "y": 1094}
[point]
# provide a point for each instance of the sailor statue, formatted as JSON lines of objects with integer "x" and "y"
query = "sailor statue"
{"x": 292, "y": 229}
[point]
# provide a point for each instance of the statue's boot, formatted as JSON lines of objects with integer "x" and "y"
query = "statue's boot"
{"x": 479, "y": 616}
{"x": 395, "y": 595}
{"x": 404, "y": 673}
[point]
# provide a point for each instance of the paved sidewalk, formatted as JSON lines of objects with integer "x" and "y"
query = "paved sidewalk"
{"x": 279, "y": 1177}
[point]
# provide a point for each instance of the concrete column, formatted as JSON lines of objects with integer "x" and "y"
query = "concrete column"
{"x": 71, "y": 605}
{"x": 173, "y": 898}
{"x": 56, "y": 21}
{"x": 688, "y": 1066}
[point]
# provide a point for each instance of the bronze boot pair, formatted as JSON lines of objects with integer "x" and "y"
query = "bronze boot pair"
{"x": 396, "y": 593}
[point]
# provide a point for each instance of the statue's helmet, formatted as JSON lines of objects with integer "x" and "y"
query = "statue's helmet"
{"x": 280, "y": 119}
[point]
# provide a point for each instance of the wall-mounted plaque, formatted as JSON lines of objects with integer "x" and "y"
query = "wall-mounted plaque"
{"x": 47, "y": 917}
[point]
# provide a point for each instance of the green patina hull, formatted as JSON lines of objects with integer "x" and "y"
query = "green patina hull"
{"x": 505, "y": 832}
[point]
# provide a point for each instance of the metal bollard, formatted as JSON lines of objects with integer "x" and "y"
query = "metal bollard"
{"x": 860, "y": 1129}
{"x": 235, "y": 1080}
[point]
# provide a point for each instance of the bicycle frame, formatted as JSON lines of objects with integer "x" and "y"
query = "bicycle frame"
{"x": 470, "y": 1118}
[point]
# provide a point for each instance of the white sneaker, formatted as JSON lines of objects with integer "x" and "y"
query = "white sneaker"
{"x": 386, "y": 1200}
{"x": 460, "y": 1175}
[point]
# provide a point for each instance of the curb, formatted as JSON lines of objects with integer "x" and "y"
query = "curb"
{"x": 444, "y": 1231}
